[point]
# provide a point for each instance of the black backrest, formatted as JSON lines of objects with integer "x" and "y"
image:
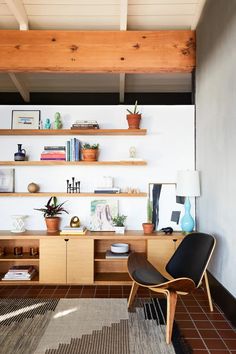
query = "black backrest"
{"x": 191, "y": 257}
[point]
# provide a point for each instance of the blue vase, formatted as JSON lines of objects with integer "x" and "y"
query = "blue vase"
{"x": 187, "y": 222}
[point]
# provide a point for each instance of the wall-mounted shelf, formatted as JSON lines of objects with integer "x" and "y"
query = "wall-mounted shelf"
{"x": 73, "y": 132}
{"x": 71, "y": 163}
{"x": 74, "y": 195}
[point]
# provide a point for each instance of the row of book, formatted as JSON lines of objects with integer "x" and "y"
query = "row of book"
{"x": 70, "y": 152}
{"x": 85, "y": 124}
{"x": 20, "y": 272}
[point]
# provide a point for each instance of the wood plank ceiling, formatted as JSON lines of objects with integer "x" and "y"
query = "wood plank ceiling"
{"x": 98, "y": 15}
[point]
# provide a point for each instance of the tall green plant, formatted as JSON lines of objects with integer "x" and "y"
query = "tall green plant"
{"x": 149, "y": 211}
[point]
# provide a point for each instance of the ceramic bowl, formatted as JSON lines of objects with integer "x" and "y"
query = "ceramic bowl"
{"x": 119, "y": 247}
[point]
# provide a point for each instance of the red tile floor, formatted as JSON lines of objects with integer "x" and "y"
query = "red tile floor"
{"x": 207, "y": 332}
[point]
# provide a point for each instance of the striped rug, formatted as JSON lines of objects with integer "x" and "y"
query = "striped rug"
{"x": 85, "y": 326}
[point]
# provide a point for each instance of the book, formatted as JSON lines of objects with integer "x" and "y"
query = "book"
{"x": 69, "y": 228}
{"x": 22, "y": 268}
{"x": 54, "y": 148}
{"x": 67, "y": 232}
{"x": 110, "y": 254}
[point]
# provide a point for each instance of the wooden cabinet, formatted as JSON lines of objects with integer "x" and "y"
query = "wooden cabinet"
{"x": 66, "y": 261}
{"x": 160, "y": 251}
{"x": 82, "y": 259}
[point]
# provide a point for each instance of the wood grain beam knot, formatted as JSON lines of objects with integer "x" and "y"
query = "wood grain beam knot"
{"x": 136, "y": 46}
{"x": 74, "y": 48}
{"x": 122, "y": 58}
{"x": 17, "y": 46}
{"x": 190, "y": 46}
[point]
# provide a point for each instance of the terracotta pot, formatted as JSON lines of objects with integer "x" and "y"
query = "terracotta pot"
{"x": 90, "y": 154}
{"x": 133, "y": 120}
{"x": 53, "y": 224}
{"x": 147, "y": 228}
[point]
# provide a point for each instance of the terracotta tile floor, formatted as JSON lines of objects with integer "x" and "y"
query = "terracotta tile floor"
{"x": 207, "y": 332}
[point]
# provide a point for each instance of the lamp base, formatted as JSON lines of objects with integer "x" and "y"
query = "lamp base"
{"x": 187, "y": 222}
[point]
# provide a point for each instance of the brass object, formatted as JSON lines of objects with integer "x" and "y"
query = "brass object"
{"x": 74, "y": 222}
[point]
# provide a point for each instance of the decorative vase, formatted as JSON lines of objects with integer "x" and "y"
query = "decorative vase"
{"x": 20, "y": 155}
{"x": 18, "y": 223}
{"x": 134, "y": 120}
{"x": 148, "y": 228}
{"x": 90, "y": 154}
{"x": 53, "y": 224}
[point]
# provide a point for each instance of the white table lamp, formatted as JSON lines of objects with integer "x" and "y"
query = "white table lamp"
{"x": 188, "y": 185}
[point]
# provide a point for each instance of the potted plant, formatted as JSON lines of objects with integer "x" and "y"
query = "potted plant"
{"x": 90, "y": 152}
{"x": 134, "y": 117}
{"x": 148, "y": 226}
{"x": 118, "y": 223}
{"x": 50, "y": 212}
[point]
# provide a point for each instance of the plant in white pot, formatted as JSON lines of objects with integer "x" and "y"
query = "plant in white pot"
{"x": 50, "y": 212}
{"x": 119, "y": 224}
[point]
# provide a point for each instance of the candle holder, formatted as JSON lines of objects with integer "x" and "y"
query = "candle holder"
{"x": 18, "y": 223}
{"x": 73, "y": 186}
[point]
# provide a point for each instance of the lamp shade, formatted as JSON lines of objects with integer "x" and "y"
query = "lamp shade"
{"x": 188, "y": 184}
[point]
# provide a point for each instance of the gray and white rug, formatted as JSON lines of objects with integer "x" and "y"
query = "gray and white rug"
{"x": 84, "y": 326}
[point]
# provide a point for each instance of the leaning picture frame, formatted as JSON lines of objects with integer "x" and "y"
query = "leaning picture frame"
{"x": 24, "y": 119}
{"x": 7, "y": 180}
{"x": 166, "y": 207}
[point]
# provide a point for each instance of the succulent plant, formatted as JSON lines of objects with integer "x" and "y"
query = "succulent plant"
{"x": 89, "y": 146}
{"x": 119, "y": 220}
{"x": 135, "y": 111}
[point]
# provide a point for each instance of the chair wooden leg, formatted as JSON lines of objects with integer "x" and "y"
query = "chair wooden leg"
{"x": 132, "y": 294}
{"x": 171, "y": 305}
{"x": 208, "y": 291}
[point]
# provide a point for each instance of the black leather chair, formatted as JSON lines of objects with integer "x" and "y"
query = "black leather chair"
{"x": 186, "y": 268}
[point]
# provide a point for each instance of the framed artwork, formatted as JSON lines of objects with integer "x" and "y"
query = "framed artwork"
{"x": 7, "y": 180}
{"x": 25, "y": 120}
{"x": 166, "y": 206}
{"x": 102, "y": 212}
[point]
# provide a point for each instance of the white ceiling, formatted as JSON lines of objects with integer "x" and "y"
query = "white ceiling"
{"x": 99, "y": 15}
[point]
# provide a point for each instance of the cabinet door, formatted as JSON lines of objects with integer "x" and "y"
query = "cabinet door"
{"x": 80, "y": 255}
{"x": 52, "y": 255}
{"x": 160, "y": 251}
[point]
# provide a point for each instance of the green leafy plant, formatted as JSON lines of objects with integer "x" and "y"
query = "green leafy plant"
{"x": 86, "y": 146}
{"x": 52, "y": 208}
{"x": 119, "y": 220}
{"x": 135, "y": 110}
{"x": 149, "y": 211}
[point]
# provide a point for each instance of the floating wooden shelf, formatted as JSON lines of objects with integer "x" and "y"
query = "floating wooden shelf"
{"x": 73, "y": 132}
{"x": 71, "y": 163}
{"x": 74, "y": 195}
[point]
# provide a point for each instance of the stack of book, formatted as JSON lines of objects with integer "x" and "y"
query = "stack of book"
{"x": 107, "y": 190}
{"x": 85, "y": 124}
{"x": 20, "y": 272}
{"x": 73, "y": 150}
{"x": 54, "y": 153}
{"x": 67, "y": 230}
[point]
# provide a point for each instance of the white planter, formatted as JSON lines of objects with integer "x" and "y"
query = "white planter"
{"x": 119, "y": 229}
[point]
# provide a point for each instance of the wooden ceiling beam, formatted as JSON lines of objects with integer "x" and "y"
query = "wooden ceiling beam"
{"x": 97, "y": 51}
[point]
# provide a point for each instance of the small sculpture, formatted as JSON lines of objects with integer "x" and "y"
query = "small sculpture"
{"x": 167, "y": 230}
{"x": 132, "y": 152}
{"x": 57, "y": 121}
{"x": 75, "y": 222}
{"x": 33, "y": 187}
{"x": 47, "y": 124}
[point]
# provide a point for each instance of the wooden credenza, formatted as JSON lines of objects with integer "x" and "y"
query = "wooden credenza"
{"x": 81, "y": 259}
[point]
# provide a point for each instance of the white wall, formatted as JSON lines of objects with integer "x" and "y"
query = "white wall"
{"x": 167, "y": 147}
{"x": 216, "y": 131}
